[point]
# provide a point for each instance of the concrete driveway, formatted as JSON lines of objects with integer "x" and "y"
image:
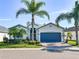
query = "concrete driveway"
{"x": 57, "y": 46}
{"x": 37, "y": 54}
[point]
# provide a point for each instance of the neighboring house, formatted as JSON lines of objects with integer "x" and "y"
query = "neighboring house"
{"x": 46, "y": 33}
{"x": 72, "y": 31}
{"x": 3, "y": 33}
{"x": 20, "y": 27}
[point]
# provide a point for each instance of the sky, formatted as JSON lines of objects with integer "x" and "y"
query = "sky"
{"x": 8, "y": 9}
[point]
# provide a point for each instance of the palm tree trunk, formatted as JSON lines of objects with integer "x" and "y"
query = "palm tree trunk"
{"x": 76, "y": 31}
{"x": 32, "y": 27}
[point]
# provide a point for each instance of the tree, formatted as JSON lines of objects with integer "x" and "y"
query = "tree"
{"x": 16, "y": 32}
{"x": 33, "y": 8}
{"x": 69, "y": 16}
{"x": 21, "y": 32}
{"x": 69, "y": 35}
{"x": 13, "y": 32}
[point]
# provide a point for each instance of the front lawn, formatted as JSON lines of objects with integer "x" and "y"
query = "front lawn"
{"x": 5, "y": 45}
{"x": 72, "y": 42}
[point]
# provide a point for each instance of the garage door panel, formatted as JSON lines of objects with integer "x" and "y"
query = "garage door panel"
{"x": 50, "y": 37}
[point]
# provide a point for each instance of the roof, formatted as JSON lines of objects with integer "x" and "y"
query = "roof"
{"x": 19, "y": 25}
{"x": 52, "y": 24}
{"x": 71, "y": 29}
{"x": 3, "y": 29}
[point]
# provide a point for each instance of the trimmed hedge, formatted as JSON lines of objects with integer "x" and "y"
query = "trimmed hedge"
{"x": 34, "y": 42}
{"x": 21, "y": 41}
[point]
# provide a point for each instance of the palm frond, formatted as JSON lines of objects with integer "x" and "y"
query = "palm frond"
{"x": 66, "y": 16}
{"x": 26, "y": 2}
{"x": 33, "y": 3}
{"x": 42, "y": 14}
{"x": 22, "y": 11}
{"x": 31, "y": 7}
{"x": 38, "y": 5}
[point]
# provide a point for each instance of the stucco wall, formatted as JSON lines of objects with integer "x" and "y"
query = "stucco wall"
{"x": 50, "y": 28}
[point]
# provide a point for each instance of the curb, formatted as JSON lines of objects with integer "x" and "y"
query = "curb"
{"x": 21, "y": 48}
{"x": 43, "y": 48}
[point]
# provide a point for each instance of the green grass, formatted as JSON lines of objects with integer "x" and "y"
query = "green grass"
{"x": 72, "y": 42}
{"x": 4, "y": 45}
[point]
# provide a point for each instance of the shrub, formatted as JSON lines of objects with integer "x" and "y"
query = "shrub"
{"x": 27, "y": 39}
{"x": 11, "y": 41}
{"x": 37, "y": 43}
{"x": 34, "y": 42}
{"x": 18, "y": 41}
{"x": 15, "y": 41}
{"x": 5, "y": 39}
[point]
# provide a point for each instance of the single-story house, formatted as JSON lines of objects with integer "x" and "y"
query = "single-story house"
{"x": 45, "y": 34}
{"x": 50, "y": 33}
{"x": 3, "y": 33}
{"x": 20, "y": 27}
{"x": 72, "y": 31}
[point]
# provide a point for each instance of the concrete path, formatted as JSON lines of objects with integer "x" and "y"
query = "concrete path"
{"x": 37, "y": 54}
{"x": 73, "y": 49}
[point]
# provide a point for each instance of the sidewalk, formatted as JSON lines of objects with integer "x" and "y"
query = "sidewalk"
{"x": 21, "y": 48}
{"x": 72, "y": 49}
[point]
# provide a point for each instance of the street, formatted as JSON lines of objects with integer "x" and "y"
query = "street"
{"x": 37, "y": 54}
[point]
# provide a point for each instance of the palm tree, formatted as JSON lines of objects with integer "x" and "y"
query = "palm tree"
{"x": 69, "y": 16}
{"x": 33, "y": 8}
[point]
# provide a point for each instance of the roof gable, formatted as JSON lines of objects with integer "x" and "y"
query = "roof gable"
{"x": 31, "y": 24}
{"x": 3, "y": 29}
{"x": 51, "y": 24}
{"x": 19, "y": 26}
